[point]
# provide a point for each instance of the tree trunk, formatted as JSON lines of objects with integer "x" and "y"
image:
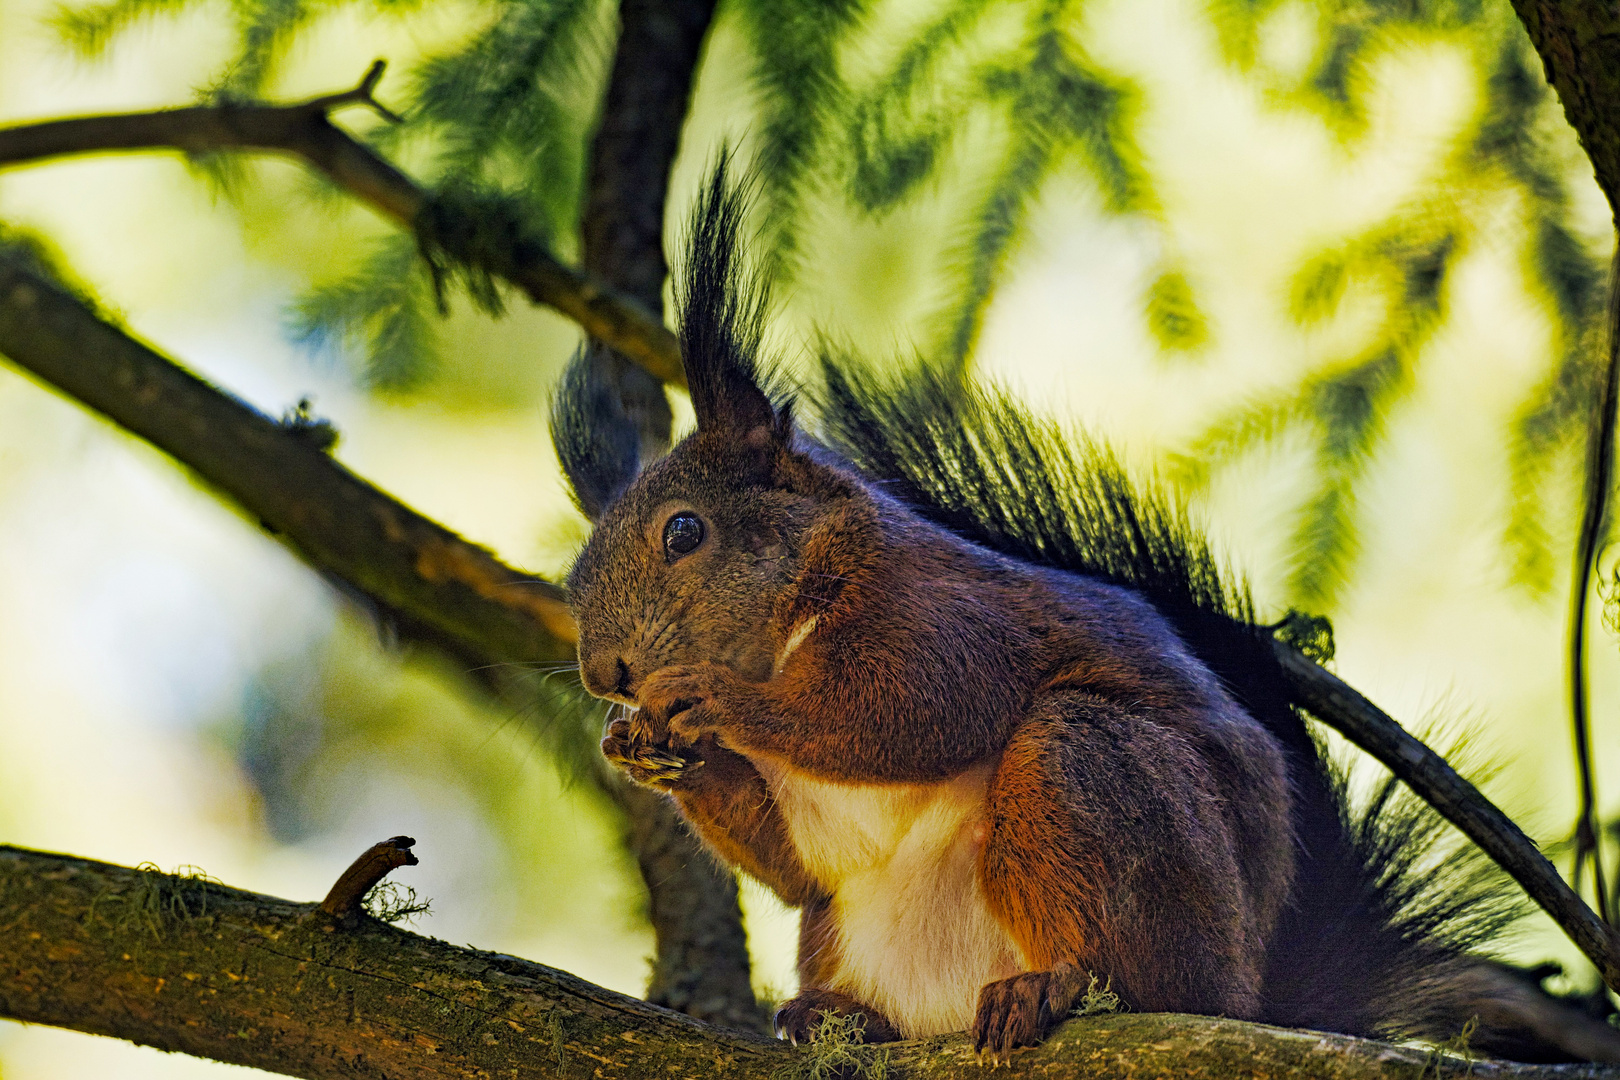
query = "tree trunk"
{"x": 701, "y": 966}
{"x": 1579, "y": 44}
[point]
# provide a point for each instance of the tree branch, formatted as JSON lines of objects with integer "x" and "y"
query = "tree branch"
{"x": 304, "y": 131}
{"x": 1341, "y": 707}
{"x": 281, "y": 475}
{"x": 190, "y": 965}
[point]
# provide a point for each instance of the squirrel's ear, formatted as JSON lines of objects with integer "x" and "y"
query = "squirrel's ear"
{"x": 596, "y": 441}
{"x": 722, "y": 301}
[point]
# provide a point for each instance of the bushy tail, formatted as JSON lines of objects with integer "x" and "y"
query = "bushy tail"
{"x": 1382, "y": 931}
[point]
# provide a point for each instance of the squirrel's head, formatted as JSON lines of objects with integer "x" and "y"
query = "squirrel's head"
{"x": 698, "y": 554}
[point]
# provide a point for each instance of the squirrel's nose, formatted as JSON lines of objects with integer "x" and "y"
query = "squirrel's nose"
{"x": 608, "y": 676}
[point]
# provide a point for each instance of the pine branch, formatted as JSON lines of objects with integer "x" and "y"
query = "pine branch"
{"x": 191, "y": 965}
{"x": 305, "y": 131}
{"x": 282, "y": 477}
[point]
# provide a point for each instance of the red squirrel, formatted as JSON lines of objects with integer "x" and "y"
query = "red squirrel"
{"x": 989, "y": 718}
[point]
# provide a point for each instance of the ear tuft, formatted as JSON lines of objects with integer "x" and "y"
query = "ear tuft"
{"x": 596, "y": 440}
{"x": 723, "y": 300}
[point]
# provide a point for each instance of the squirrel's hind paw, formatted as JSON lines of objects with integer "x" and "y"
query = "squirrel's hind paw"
{"x": 802, "y": 1018}
{"x": 1021, "y": 1010}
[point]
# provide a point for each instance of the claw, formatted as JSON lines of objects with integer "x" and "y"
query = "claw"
{"x": 650, "y": 757}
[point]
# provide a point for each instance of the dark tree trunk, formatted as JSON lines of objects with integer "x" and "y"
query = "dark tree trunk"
{"x": 643, "y": 115}
{"x": 701, "y": 966}
{"x": 1579, "y": 44}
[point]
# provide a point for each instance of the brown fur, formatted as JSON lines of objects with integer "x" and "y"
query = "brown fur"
{"x": 1135, "y": 817}
{"x": 981, "y": 779}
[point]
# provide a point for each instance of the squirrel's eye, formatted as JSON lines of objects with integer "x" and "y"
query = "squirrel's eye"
{"x": 682, "y": 534}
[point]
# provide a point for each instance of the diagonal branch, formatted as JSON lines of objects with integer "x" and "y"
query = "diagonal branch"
{"x": 1342, "y": 708}
{"x": 305, "y": 131}
{"x": 281, "y": 475}
{"x": 190, "y": 965}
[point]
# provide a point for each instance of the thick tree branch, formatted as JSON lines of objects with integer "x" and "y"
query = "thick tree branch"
{"x": 1341, "y": 707}
{"x": 304, "y": 131}
{"x": 194, "y": 966}
{"x": 282, "y": 476}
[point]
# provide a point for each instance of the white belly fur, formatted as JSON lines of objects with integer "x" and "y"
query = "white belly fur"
{"x": 915, "y": 938}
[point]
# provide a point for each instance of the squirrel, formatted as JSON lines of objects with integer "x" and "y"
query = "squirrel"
{"x": 993, "y": 720}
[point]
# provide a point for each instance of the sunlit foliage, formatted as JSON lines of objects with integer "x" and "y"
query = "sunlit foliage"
{"x": 1517, "y": 146}
{"x": 852, "y": 113}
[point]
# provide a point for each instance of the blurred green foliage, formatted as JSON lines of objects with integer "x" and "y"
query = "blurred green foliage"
{"x": 853, "y": 112}
{"x": 973, "y": 106}
{"x": 314, "y": 730}
{"x": 1517, "y": 143}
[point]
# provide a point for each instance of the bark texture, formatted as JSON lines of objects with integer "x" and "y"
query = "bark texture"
{"x": 194, "y": 966}
{"x": 1579, "y": 44}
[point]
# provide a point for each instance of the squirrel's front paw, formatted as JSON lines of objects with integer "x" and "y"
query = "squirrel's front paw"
{"x": 681, "y": 704}
{"x": 644, "y": 762}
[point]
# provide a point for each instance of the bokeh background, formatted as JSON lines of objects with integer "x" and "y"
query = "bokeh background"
{"x": 176, "y": 688}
